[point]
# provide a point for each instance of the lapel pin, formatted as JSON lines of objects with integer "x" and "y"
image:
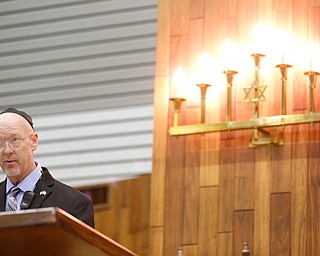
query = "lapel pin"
{"x": 43, "y": 193}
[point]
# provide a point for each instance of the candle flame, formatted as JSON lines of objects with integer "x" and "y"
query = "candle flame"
{"x": 261, "y": 38}
{"x": 204, "y": 69}
{"x": 228, "y": 55}
{"x": 179, "y": 81}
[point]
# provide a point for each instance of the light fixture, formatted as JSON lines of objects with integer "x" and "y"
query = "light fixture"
{"x": 254, "y": 94}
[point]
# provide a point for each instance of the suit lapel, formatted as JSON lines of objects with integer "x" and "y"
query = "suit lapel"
{"x": 3, "y": 195}
{"x": 42, "y": 190}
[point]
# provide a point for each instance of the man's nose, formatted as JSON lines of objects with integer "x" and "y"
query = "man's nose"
{"x": 6, "y": 147}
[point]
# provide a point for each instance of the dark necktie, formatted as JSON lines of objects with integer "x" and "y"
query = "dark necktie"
{"x": 12, "y": 204}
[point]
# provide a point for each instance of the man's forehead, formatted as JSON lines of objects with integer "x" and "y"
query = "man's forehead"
{"x": 19, "y": 113}
{"x": 10, "y": 118}
{"x": 12, "y": 123}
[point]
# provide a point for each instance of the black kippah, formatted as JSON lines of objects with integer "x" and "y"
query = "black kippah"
{"x": 20, "y": 113}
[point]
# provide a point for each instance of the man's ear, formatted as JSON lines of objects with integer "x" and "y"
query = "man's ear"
{"x": 34, "y": 141}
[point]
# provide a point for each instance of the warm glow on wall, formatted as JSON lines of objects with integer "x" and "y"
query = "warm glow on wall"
{"x": 254, "y": 91}
{"x": 313, "y": 57}
{"x": 178, "y": 90}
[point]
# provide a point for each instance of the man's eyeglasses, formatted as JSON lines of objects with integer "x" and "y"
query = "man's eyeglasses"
{"x": 14, "y": 142}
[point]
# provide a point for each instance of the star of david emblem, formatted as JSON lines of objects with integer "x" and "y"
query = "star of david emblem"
{"x": 254, "y": 94}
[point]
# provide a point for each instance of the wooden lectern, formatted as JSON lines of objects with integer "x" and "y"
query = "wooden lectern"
{"x": 53, "y": 232}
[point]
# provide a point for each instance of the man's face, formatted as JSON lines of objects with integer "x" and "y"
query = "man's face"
{"x": 18, "y": 141}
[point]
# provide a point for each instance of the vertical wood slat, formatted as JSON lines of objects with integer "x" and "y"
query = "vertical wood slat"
{"x": 163, "y": 40}
{"x": 247, "y": 18}
{"x": 231, "y": 8}
{"x": 156, "y": 241}
{"x": 209, "y": 168}
{"x": 112, "y": 213}
{"x": 101, "y": 219}
{"x": 179, "y": 17}
{"x": 159, "y": 155}
{"x": 178, "y": 45}
{"x": 196, "y": 9}
{"x": 190, "y": 250}
{"x": 315, "y": 3}
{"x": 208, "y": 221}
{"x": 315, "y": 22}
{"x": 229, "y": 30}
{"x": 226, "y": 184}
{"x": 124, "y": 228}
{"x": 313, "y": 222}
{"x": 262, "y": 202}
{"x": 195, "y": 50}
{"x": 209, "y": 160}
{"x": 243, "y": 231}
{"x": 174, "y": 197}
{"x": 140, "y": 203}
{"x": 169, "y": 177}
{"x": 300, "y": 24}
{"x": 191, "y": 191}
{"x": 280, "y": 224}
{"x": 161, "y": 89}
{"x": 212, "y": 26}
{"x": 244, "y": 179}
{"x": 281, "y": 168}
{"x": 161, "y": 93}
{"x": 299, "y": 192}
{"x": 315, "y": 37}
{"x": 174, "y": 181}
{"x": 283, "y": 21}
{"x": 244, "y": 164}
{"x": 225, "y": 244}
{"x": 141, "y": 239}
{"x": 191, "y": 177}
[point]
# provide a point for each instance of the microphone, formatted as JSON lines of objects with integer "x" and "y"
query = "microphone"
{"x": 26, "y": 200}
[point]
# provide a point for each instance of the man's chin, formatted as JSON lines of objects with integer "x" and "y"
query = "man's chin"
{"x": 12, "y": 173}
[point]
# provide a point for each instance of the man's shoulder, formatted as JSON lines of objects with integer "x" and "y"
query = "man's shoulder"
{"x": 65, "y": 187}
{"x": 61, "y": 187}
{"x": 2, "y": 186}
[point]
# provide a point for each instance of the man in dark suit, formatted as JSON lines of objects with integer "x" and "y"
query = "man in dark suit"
{"x": 35, "y": 185}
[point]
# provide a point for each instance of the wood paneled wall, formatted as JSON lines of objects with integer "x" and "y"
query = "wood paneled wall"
{"x": 210, "y": 193}
{"x": 125, "y": 219}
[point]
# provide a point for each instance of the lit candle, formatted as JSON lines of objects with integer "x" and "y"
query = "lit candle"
{"x": 204, "y": 69}
{"x": 284, "y": 39}
{"x": 229, "y": 53}
{"x": 261, "y": 38}
{"x": 179, "y": 84}
{"x": 257, "y": 33}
